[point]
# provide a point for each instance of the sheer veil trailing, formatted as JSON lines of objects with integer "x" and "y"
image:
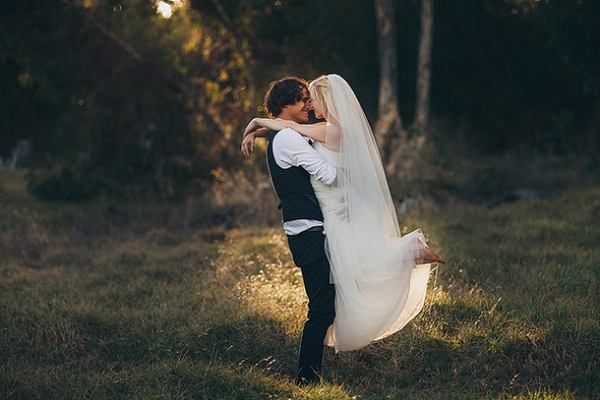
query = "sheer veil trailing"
{"x": 360, "y": 162}
{"x": 379, "y": 286}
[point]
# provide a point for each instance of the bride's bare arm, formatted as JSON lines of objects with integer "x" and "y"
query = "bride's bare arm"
{"x": 268, "y": 124}
{"x": 324, "y": 132}
{"x": 259, "y": 132}
{"x": 316, "y": 131}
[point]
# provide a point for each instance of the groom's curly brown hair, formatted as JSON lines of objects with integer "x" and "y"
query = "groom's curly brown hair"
{"x": 286, "y": 91}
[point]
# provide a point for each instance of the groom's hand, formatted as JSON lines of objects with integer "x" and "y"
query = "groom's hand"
{"x": 343, "y": 212}
{"x": 340, "y": 177}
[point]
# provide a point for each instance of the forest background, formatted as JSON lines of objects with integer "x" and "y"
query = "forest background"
{"x": 147, "y": 100}
{"x": 141, "y": 256}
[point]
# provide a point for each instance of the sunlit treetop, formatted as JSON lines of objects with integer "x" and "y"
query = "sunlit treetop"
{"x": 166, "y": 8}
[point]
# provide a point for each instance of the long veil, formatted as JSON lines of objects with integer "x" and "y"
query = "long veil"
{"x": 379, "y": 286}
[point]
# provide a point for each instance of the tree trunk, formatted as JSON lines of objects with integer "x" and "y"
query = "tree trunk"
{"x": 424, "y": 64}
{"x": 389, "y": 132}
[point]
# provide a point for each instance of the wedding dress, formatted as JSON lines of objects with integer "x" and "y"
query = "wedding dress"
{"x": 379, "y": 286}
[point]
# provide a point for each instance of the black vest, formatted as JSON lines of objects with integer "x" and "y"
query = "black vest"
{"x": 292, "y": 185}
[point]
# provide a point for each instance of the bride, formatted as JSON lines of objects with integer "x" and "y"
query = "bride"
{"x": 380, "y": 277}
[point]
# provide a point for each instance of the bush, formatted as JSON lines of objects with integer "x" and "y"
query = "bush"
{"x": 62, "y": 184}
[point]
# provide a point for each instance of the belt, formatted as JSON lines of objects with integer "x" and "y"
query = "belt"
{"x": 315, "y": 229}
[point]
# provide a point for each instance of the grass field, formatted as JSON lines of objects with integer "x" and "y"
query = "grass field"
{"x": 112, "y": 301}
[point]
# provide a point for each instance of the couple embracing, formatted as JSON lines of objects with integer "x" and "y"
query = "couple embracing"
{"x": 364, "y": 281}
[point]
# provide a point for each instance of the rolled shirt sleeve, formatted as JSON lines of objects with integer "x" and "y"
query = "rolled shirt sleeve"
{"x": 290, "y": 149}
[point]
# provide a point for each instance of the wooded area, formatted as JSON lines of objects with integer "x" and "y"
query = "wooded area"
{"x": 141, "y": 256}
{"x": 115, "y": 97}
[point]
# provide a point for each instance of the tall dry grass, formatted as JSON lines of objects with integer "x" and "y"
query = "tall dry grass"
{"x": 112, "y": 300}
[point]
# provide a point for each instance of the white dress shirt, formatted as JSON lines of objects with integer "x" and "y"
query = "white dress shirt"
{"x": 290, "y": 149}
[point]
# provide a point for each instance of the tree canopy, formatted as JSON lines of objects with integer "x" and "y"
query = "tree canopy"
{"x": 114, "y": 97}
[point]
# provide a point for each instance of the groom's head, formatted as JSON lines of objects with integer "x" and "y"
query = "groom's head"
{"x": 288, "y": 98}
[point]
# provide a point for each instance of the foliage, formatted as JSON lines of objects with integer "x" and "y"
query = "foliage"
{"x": 306, "y": 39}
{"x": 109, "y": 122}
{"x": 498, "y": 65}
{"x": 116, "y": 99}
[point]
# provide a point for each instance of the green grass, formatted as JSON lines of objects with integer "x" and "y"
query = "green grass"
{"x": 109, "y": 300}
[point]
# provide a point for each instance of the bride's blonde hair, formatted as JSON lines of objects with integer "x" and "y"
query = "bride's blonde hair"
{"x": 318, "y": 91}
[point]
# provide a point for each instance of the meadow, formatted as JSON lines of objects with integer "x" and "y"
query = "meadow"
{"x": 109, "y": 300}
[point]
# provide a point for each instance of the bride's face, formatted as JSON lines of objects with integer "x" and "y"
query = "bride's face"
{"x": 317, "y": 109}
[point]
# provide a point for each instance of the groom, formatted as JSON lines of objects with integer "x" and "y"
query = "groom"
{"x": 292, "y": 161}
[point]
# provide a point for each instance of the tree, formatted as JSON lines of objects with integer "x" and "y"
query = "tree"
{"x": 572, "y": 28}
{"x": 424, "y": 64}
{"x": 103, "y": 89}
{"x": 389, "y": 131}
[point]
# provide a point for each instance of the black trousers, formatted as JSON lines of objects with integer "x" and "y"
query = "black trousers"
{"x": 308, "y": 251}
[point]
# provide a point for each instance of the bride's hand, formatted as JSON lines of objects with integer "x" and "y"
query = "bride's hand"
{"x": 248, "y": 144}
{"x": 252, "y": 126}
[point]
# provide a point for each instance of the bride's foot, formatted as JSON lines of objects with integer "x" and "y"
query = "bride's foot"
{"x": 427, "y": 256}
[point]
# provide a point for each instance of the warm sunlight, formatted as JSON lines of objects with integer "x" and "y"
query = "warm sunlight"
{"x": 166, "y": 9}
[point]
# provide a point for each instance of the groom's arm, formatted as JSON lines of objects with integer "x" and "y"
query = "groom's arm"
{"x": 291, "y": 149}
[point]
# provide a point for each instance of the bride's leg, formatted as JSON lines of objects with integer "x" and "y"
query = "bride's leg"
{"x": 427, "y": 256}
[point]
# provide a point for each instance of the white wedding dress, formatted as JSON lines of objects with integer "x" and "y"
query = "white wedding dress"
{"x": 379, "y": 288}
